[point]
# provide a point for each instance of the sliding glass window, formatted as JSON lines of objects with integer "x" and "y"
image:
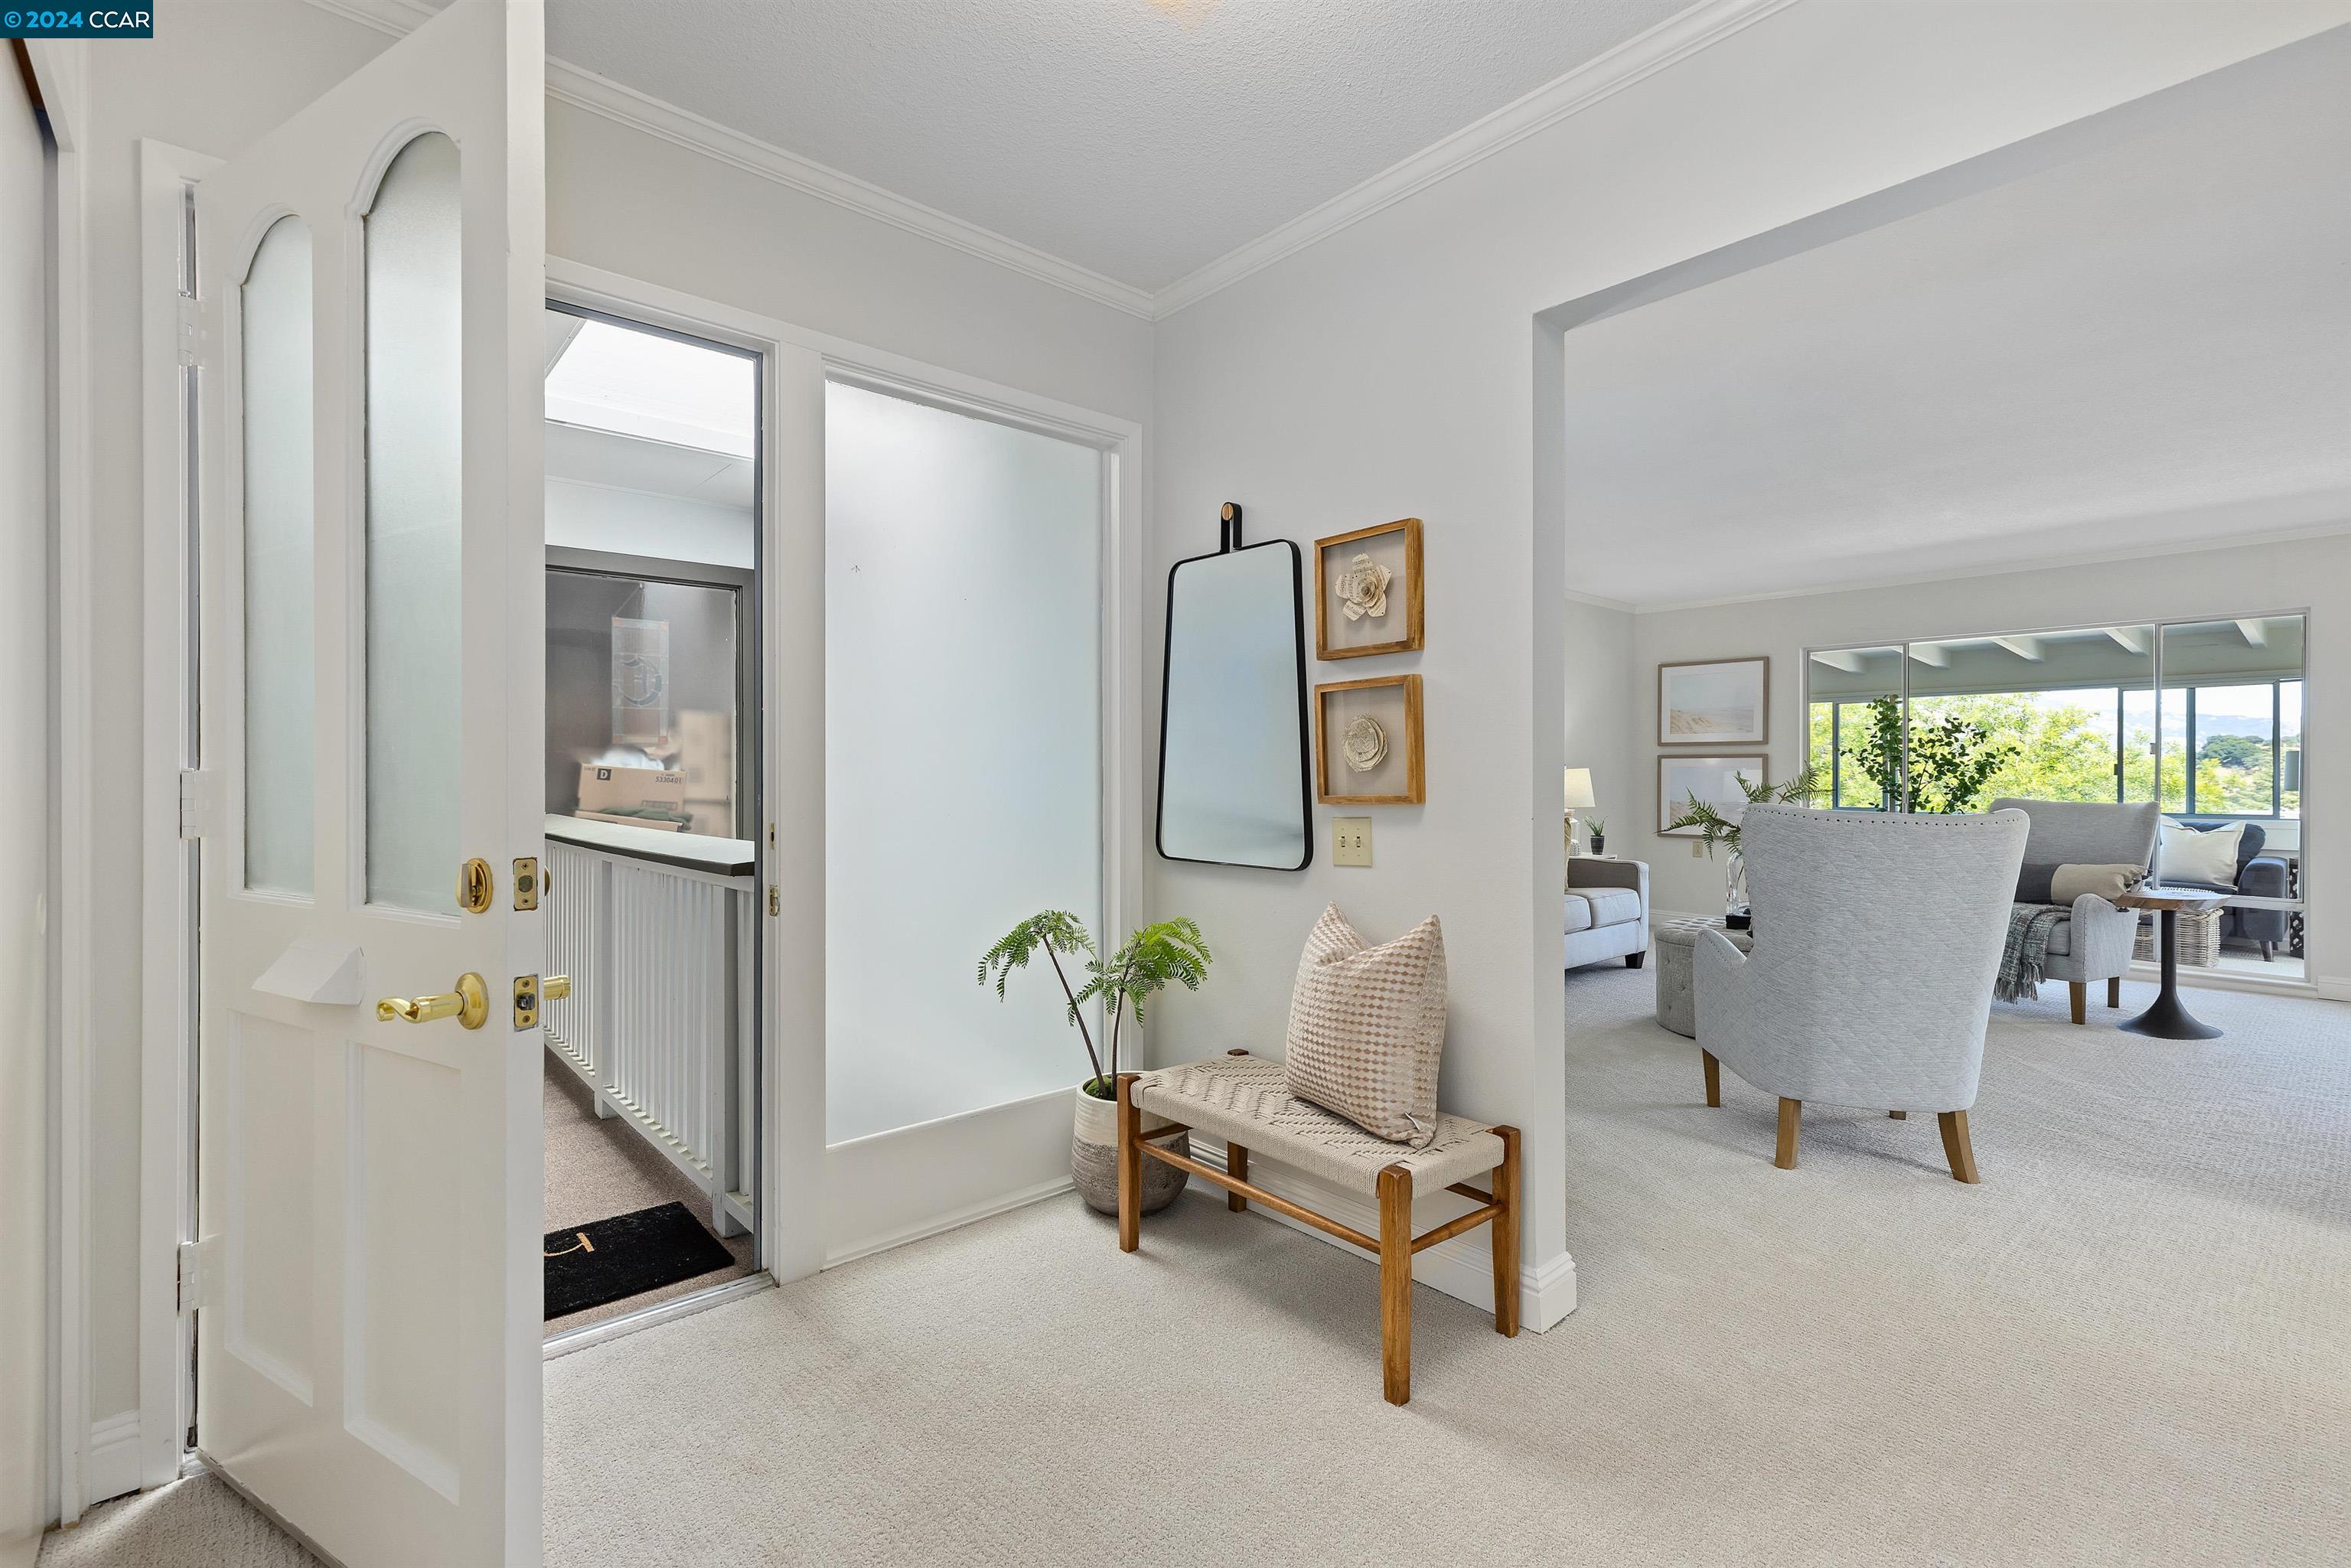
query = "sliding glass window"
{"x": 2202, "y": 716}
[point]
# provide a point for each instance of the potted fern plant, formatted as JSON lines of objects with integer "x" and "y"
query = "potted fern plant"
{"x": 1164, "y": 953}
{"x": 1715, "y": 827}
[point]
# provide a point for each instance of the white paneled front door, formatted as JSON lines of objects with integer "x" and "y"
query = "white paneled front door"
{"x": 372, "y": 283}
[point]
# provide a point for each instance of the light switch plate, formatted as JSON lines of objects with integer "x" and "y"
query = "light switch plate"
{"x": 1350, "y": 840}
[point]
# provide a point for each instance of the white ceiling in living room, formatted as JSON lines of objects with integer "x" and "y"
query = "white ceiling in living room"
{"x": 2147, "y": 347}
{"x": 1138, "y": 139}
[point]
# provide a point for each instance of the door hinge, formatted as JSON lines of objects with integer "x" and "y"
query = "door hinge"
{"x": 196, "y": 1278}
{"x": 196, "y": 803}
{"x": 191, "y": 332}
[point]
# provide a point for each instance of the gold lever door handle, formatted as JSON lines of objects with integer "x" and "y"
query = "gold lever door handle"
{"x": 469, "y": 1004}
{"x": 555, "y": 988}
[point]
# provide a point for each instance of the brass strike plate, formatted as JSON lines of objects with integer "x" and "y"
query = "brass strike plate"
{"x": 527, "y": 883}
{"x": 476, "y": 887}
{"x": 525, "y": 1001}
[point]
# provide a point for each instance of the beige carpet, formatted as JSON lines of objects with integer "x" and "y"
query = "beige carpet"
{"x": 2132, "y": 1343}
{"x": 599, "y": 1168}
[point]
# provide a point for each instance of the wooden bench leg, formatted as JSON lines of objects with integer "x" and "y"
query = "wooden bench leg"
{"x": 1130, "y": 1166}
{"x": 1506, "y": 1234}
{"x": 1236, "y": 1167}
{"x": 1396, "y": 1283}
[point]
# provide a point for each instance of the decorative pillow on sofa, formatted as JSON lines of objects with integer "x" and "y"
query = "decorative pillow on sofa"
{"x": 2210, "y": 856}
{"x": 1367, "y": 1026}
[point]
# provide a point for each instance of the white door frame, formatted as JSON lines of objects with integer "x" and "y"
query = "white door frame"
{"x": 795, "y": 363}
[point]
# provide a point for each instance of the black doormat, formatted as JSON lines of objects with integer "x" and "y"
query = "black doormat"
{"x": 614, "y": 1259}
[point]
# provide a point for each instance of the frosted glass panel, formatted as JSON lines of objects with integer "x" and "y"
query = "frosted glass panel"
{"x": 279, "y": 656}
{"x": 414, "y": 418}
{"x": 963, "y": 752}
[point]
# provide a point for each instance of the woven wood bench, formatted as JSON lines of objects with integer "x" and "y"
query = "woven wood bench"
{"x": 1244, "y": 1100}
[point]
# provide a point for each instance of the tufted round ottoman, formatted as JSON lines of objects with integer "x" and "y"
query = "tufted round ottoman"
{"x": 1677, "y": 945}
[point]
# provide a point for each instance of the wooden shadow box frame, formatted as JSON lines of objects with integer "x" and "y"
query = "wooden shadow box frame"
{"x": 1416, "y": 778}
{"x": 1414, "y": 602}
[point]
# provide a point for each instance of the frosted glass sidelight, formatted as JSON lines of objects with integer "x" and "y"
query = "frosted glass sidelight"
{"x": 279, "y": 592}
{"x": 963, "y": 752}
{"x": 414, "y": 496}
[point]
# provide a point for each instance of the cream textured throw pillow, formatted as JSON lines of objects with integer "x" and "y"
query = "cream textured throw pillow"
{"x": 1367, "y": 1025}
{"x": 2210, "y": 856}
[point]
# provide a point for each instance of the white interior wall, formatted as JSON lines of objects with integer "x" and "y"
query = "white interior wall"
{"x": 618, "y": 198}
{"x": 1391, "y": 369}
{"x": 25, "y": 702}
{"x": 642, "y": 523}
{"x": 2281, "y": 575}
{"x": 1597, "y": 641}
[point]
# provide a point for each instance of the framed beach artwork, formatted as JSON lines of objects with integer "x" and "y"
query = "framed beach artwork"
{"x": 1713, "y": 780}
{"x": 1718, "y": 703}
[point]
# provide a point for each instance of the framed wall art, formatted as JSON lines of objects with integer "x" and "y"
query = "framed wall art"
{"x": 1367, "y": 743}
{"x": 1719, "y": 702}
{"x": 1367, "y": 592}
{"x": 1713, "y": 780}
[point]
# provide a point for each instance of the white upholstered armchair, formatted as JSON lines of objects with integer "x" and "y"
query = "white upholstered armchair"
{"x": 1877, "y": 938}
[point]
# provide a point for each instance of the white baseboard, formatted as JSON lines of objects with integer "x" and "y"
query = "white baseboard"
{"x": 894, "y": 1187}
{"x": 1462, "y": 1268}
{"x": 110, "y": 1463}
{"x": 987, "y": 1208}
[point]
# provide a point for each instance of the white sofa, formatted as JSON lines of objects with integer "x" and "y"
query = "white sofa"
{"x": 1607, "y": 910}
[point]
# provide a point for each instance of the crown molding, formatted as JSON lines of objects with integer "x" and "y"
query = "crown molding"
{"x": 582, "y": 88}
{"x": 1676, "y": 39}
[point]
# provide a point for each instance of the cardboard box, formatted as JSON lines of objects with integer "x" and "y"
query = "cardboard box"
{"x": 644, "y": 796}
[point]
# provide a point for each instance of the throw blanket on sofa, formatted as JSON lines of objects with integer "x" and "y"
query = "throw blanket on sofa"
{"x": 2021, "y": 960}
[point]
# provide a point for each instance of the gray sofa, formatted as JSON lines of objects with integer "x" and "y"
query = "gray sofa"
{"x": 2259, "y": 876}
{"x": 1877, "y": 939}
{"x": 2093, "y": 942}
{"x": 1607, "y": 910}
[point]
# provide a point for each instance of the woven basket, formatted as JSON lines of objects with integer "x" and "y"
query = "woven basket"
{"x": 2199, "y": 939}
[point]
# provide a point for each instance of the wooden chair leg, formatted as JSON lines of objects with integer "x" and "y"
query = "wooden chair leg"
{"x": 1791, "y": 1116}
{"x": 1130, "y": 1166}
{"x": 1505, "y": 1227}
{"x": 1900, "y": 1115}
{"x": 1955, "y": 1147}
{"x": 2113, "y": 990}
{"x": 1713, "y": 1080}
{"x": 2080, "y": 992}
{"x": 1395, "y": 1283}
{"x": 1236, "y": 1167}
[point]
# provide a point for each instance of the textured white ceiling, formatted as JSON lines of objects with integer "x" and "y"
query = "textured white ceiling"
{"x": 1141, "y": 139}
{"x": 2143, "y": 347}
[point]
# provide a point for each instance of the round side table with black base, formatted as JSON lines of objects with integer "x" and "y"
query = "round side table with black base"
{"x": 2167, "y": 1019}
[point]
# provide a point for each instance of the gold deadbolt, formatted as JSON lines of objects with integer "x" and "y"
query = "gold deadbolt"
{"x": 555, "y": 988}
{"x": 469, "y": 1004}
{"x": 528, "y": 883}
{"x": 475, "y": 886}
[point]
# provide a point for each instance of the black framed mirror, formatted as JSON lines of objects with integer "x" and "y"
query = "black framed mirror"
{"x": 1234, "y": 784}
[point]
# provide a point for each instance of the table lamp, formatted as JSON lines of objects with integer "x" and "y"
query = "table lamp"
{"x": 1579, "y": 798}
